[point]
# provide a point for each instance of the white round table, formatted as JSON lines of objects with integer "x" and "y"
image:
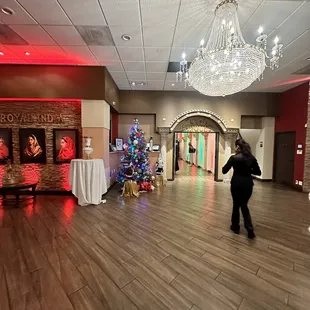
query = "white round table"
{"x": 88, "y": 181}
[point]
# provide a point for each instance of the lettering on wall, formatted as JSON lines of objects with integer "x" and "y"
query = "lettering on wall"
{"x": 23, "y": 118}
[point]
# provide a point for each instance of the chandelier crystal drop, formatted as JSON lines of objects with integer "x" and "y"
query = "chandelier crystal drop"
{"x": 227, "y": 64}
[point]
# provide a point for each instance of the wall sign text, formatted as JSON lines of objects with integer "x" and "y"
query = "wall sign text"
{"x": 21, "y": 118}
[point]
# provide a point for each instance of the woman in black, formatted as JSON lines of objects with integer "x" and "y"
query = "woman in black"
{"x": 245, "y": 165}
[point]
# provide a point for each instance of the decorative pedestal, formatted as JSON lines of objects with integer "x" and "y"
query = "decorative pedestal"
{"x": 130, "y": 189}
{"x": 88, "y": 181}
{"x": 159, "y": 181}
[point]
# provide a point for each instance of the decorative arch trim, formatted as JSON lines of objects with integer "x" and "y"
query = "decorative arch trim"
{"x": 206, "y": 113}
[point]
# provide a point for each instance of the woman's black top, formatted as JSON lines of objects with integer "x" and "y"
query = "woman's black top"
{"x": 244, "y": 168}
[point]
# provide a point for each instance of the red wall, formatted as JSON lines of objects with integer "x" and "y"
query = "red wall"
{"x": 293, "y": 117}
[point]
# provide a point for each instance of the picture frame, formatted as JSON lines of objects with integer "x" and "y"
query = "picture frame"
{"x": 6, "y": 145}
{"x": 32, "y": 145}
{"x": 65, "y": 145}
{"x": 119, "y": 144}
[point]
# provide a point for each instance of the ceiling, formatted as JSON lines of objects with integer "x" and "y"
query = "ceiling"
{"x": 88, "y": 32}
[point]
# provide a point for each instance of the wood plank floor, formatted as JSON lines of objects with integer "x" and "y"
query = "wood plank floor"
{"x": 170, "y": 249}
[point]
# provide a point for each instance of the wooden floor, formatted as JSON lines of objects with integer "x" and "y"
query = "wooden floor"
{"x": 170, "y": 249}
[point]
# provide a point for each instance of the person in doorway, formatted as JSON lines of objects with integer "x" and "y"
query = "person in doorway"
{"x": 245, "y": 165}
{"x": 191, "y": 151}
{"x": 177, "y": 153}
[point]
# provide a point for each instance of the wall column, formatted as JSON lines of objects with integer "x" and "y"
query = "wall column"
{"x": 96, "y": 124}
{"x": 164, "y": 131}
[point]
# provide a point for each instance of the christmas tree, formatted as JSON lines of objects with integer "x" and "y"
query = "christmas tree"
{"x": 135, "y": 157}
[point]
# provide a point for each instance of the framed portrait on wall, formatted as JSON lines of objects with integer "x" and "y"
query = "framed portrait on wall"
{"x": 65, "y": 143}
{"x": 6, "y": 146}
{"x": 119, "y": 144}
{"x": 32, "y": 145}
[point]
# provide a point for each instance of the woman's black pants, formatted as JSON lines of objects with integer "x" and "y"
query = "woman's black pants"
{"x": 241, "y": 196}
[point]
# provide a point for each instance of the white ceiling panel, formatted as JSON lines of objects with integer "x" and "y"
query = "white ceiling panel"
{"x": 122, "y": 84}
{"x": 52, "y": 52}
{"x": 112, "y": 65}
{"x": 262, "y": 16}
{"x": 157, "y": 54}
{"x": 81, "y": 54}
{"x": 156, "y": 66}
{"x": 33, "y": 34}
{"x": 171, "y": 77}
{"x": 136, "y": 76}
{"x": 250, "y": 35}
{"x": 65, "y": 35}
{"x": 158, "y": 37}
{"x": 84, "y": 13}
{"x": 156, "y": 76}
{"x": 51, "y": 61}
{"x": 20, "y": 51}
{"x": 159, "y": 13}
{"x": 155, "y": 85}
{"x": 121, "y": 12}
{"x": 295, "y": 25}
{"x": 137, "y": 66}
{"x": 105, "y": 53}
{"x": 247, "y": 8}
{"x": 196, "y": 14}
{"x": 134, "y": 32}
{"x": 131, "y": 53}
{"x": 190, "y": 37}
{"x": 48, "y": 12}
{"x": 21, "y": 17}
{"x": 118, "y": 75}
{"x": 176, "y": 53}
{"x": 139, "y": 87}
{"x": 7, "y": 53}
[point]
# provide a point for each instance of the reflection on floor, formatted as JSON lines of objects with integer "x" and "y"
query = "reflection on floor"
{"x": 170, "y": 249}
{"x": 187, "y": 170}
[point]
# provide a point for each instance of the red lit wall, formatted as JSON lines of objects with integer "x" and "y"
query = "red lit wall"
{"x": 293, "y": 117}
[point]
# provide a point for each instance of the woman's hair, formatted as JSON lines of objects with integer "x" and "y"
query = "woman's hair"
{"x": 243, "y": 147}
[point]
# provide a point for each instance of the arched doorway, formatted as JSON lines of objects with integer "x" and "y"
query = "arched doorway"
{"x": 205, "y": 133}
{"x": 194, "y": 121}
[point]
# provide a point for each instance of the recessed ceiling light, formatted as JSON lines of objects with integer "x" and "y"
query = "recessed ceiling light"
{"x": 126, "y": 37}
{"x": 1, "y": 53}
{"x": 142, "y": 84}
{"x": 173, "y": 84}
{"x": 114, "y": 103}
{"x": 7, "y": 11}
{"x": 27, "y": 53}
{"x": 133, "y": 83}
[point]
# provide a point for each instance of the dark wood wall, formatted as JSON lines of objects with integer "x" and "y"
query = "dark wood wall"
{"x": 32, "y": 81}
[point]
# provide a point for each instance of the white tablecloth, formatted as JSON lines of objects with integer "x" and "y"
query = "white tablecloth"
{"x": 88, "y": 181}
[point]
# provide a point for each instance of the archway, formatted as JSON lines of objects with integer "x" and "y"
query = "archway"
{"x": 195, "y": 121}
{"x": 206, "y": 133}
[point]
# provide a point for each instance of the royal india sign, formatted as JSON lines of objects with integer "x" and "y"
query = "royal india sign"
{"x": 22, "y": 118}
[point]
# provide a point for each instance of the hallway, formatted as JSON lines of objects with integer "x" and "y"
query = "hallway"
{"x": 170, "y": 249}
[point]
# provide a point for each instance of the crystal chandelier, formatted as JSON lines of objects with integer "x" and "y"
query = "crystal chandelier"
{"x": 227, "y": 64}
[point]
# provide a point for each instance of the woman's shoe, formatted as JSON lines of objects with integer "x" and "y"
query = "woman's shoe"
{"x": 251, "y": 234}
{"x": 235, "y": 230}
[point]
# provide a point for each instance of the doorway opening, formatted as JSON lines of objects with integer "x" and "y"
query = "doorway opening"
{"x": 284, "y": 158}
{"x": 196, "y": 154}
